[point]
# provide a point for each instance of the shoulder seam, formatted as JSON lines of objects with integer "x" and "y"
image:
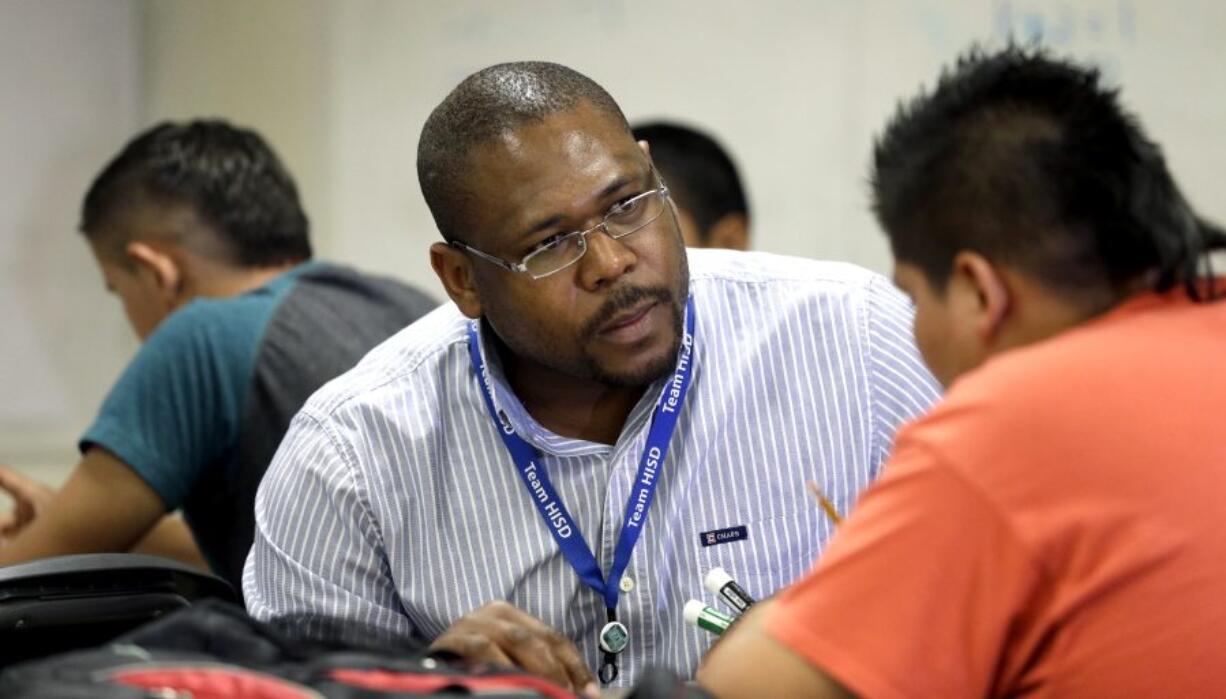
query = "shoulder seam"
{"x": 726, "y": 276}
{"x": 410, "y": 366}
{"x": 870, "y": 373}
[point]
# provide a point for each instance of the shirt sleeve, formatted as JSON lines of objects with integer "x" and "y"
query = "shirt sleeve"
{"x": 177, "y": 407}
{"x": 917, "y": 592}
{"x": 900, "y": 384}
{"x": 317, "y": 567}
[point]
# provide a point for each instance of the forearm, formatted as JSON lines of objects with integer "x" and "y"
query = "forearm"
{"x": 171, "y": 538}
{"x": 104, "y": 507}
{"x": 746, "y": 658}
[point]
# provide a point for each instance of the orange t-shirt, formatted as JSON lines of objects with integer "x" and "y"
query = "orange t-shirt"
{"x": 1056, "y": 526}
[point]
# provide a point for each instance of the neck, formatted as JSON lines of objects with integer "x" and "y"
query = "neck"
{"x": 569, "y": 406}
{"x": 219, "y": 280}
{"x": 1039, "y": 313}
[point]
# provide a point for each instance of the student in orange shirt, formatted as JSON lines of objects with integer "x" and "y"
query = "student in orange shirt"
{"x": 1055, "y": 526}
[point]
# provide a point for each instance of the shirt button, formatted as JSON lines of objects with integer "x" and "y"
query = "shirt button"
{"x": 627, "y": 584}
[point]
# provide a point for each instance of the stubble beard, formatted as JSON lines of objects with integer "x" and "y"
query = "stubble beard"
{"x": 586, "y": 366}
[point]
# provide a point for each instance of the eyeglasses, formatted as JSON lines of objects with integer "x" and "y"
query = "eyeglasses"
{"x": 565, "y": 249}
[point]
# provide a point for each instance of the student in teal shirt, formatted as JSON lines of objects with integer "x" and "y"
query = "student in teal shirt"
{"x": 198, "y": 229}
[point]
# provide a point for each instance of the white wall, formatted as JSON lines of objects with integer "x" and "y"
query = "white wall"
{"x": 796, "y": 88}
{"x": 68, "y": 98}
{"x": 265, "y": 65}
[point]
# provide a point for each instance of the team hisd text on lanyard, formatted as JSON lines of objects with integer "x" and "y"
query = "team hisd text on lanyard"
{"x": 614, "y": 636}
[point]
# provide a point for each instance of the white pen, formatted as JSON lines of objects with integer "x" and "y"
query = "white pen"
{"x": 718, "y": 582}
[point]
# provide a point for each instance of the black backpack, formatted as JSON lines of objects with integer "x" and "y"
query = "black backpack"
{"x": 214, "y": 649}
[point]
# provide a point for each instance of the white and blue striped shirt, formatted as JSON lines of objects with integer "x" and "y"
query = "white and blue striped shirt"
{"x": 393, "y": 506}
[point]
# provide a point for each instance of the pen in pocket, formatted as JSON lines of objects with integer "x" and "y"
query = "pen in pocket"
{"x": 718, "y": 582}
{"x": 698, "y": 614}
{"x": 825, "y": 504}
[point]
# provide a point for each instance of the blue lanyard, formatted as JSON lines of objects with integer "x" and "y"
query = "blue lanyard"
{"x": 563, "y": 528}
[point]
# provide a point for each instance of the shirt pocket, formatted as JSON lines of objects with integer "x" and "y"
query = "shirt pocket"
{"x": 774, "y": 551}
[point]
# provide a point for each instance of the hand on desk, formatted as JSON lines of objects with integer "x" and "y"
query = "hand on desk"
{"x": 503, "y": 634}
{"x": 29, "y": 498}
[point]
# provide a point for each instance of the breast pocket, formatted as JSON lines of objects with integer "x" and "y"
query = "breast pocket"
{"x": 767, "y": 554}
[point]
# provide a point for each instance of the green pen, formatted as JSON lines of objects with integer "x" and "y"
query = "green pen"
{"x": 698, "y": 614}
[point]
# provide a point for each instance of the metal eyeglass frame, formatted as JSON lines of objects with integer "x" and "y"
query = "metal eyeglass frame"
{"x": 521, "y": 267}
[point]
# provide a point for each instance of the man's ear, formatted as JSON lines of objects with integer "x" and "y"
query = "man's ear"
{"x": 985, "y": 294}
{"x": 731, "y": 231}
{"x": 160, "y": 270}
{"x": 455, "y": 271}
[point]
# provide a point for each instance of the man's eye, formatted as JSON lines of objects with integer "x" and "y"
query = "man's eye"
{"x": 548, "y": 242}
{"x": 627, "y": 208}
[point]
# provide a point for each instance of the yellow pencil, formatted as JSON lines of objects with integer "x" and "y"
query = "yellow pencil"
{"x": 825, "y": 504}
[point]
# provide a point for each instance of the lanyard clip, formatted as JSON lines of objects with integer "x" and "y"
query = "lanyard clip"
{"x": 608, "y": 669}
{"x": 614, "y": 637}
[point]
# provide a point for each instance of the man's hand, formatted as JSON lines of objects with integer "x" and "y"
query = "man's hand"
{"x": 29, "y": 498}
{"x": 502, "y": 634}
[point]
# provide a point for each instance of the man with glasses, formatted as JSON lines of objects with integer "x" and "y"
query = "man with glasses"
{"x": 558, "y": 457}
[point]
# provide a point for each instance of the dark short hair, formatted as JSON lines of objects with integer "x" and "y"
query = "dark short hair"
{"x": 228, "y": 175}
{"x": 486, "y": 104}
{"x": 700, "y": 174}
{"x": 1030, "y": 162}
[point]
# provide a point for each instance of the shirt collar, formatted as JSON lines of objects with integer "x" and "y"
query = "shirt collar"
{"x": 513, "y": 412}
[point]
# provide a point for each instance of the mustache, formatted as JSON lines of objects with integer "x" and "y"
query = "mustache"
{"x": 623, "y": 299}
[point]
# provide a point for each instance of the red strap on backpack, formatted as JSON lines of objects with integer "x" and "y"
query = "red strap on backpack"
{"x": 400, "y": 682}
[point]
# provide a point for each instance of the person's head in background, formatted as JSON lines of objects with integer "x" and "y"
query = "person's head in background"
{"x": 704, "y": 184}
{"x": 188, "y": 209}
{"x": 1020, "y": 199}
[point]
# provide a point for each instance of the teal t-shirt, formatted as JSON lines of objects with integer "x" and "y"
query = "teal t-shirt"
{"x": 178, "y": 406}
{"x": 201, "y": 409}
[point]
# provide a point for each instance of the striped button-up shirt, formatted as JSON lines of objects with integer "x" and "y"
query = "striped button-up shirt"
{"x": 394, "y": 508}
